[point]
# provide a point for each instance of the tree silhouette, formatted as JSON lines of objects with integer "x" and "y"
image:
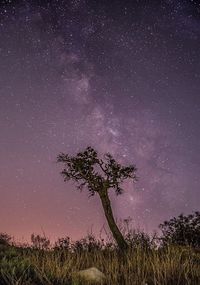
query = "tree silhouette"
{"x": 98, "y": 176}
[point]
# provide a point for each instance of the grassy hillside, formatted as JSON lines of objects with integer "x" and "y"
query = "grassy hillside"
{"x": 139, "y": 266}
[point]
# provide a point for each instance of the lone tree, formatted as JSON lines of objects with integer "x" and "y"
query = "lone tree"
{"x": 98, "y": 176}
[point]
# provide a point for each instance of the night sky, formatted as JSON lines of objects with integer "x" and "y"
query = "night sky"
{"x": 121, "y": 76}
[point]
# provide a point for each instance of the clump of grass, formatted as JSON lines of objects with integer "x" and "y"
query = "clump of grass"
{"x": 143, "y": 263}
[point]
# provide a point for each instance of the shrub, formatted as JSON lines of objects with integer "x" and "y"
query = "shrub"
{"x": 183, "y": 230}
{"x": 5, "y": 239}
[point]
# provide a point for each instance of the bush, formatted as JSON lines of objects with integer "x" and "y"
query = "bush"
{"x": 183, "y": 230}
{"x": 40, "y": 242}
{"x": 5, "y": 239}
{"x": 88, "y": 243}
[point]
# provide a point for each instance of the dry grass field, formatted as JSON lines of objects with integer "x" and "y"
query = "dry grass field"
{"x": 138, "y": 266}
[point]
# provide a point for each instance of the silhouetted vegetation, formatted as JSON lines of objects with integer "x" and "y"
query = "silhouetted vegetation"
{"x": 146, "y": 262}
{"x": 40, "y": 242}
{"x": 99, "y": 176}
{"x": 183, "y": 230}
{"x": 5, "y": 239}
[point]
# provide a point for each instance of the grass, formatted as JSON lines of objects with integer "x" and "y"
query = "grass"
{"x": 139, "y": 266}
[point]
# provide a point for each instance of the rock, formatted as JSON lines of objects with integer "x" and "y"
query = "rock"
{"x": 88, "y": 276}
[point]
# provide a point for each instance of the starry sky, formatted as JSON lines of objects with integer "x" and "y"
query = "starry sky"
{"x": 121, "y": 76}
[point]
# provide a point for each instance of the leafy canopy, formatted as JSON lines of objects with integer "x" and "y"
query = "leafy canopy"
{"x": 96, "y": 174}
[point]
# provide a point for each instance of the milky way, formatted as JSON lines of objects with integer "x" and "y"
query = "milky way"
{"x": 121, "y": 76}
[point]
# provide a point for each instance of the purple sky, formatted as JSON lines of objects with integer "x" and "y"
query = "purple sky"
{"x": 121, "y": 76}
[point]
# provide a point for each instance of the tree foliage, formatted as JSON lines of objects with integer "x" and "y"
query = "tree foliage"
{"x": 183, "y": 230}
{"x": 95, "y": 173}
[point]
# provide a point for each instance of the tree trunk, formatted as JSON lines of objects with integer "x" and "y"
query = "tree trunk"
{"x": 111, "y": 222}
